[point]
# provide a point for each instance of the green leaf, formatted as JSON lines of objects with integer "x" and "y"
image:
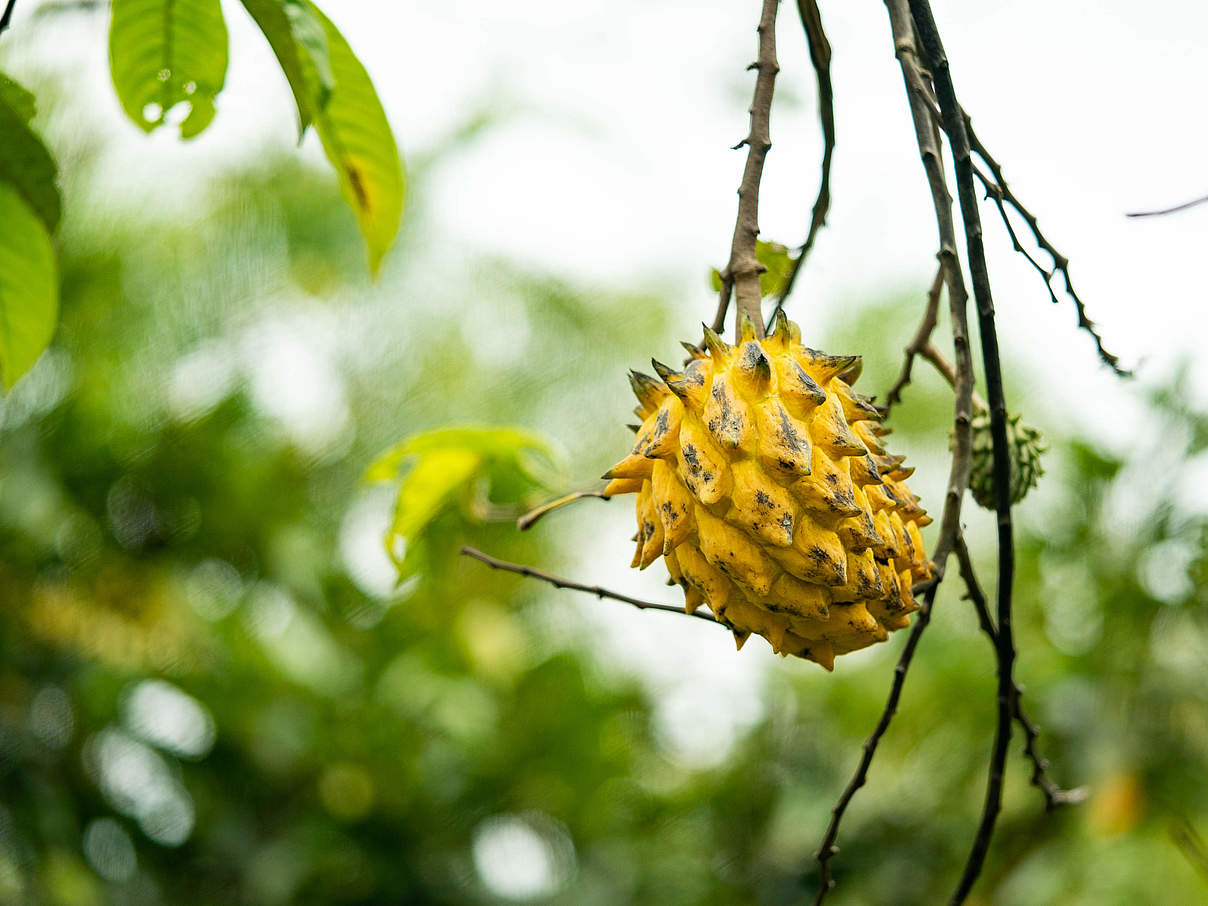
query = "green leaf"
{"x": 779, "y": 263}
{"x": 25, "y": 164}
{"x": 167, "y": 52}
{"x": 437, "y": 466}
{"x": 360, "y": 145}
{"x": 432, "y": 482}
{"x": 333, "y": 91}
{"x": 29, "y": 293}
{"x": 298, "y": 40}
{"x": 21, "y": 100}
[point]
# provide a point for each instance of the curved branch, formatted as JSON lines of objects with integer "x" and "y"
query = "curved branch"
{"x": 1001, "y": 193}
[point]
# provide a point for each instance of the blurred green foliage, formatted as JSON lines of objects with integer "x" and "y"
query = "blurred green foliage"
{"x": 212, "y": 690}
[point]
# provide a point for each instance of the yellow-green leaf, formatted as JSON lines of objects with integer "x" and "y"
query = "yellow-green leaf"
{"x": 29, "y": 291}
{"x": 359, "y": 144}
{"x": 168, "y": 52}
{"x": 425, "y": 490}
{"x": 25, "y": 164}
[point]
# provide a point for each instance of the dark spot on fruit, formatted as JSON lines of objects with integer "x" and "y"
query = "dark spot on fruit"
{"x": 692, "y": 458}
{"x": 832, "y": 478}
{"x": 762, "y": 498}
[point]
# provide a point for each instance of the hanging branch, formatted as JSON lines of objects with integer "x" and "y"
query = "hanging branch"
{"x": 927, "y": 138}
{"x": 1054, "y": 796}
{"x": 998, "y": 190}
{"x": 596, "y": 590}
{"x": 820, "y": 56}
{"x": 959, "y": 142}
{"x": 742, "y": 273}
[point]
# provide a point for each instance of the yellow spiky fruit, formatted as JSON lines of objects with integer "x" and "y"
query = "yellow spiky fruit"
{"x": 762, "y": 482}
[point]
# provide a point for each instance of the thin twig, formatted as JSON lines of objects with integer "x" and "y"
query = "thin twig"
{"x": 922, "y": 339}
{"x": 954, "y": 122}
{"x": 958, "y": 479}
{"x": 7, "y": 16}
{"x": 820, "y": 57}
{"x": 596, "y": 590}
{"x": 744, "y": 267}
{"x": 1054, "y": 796}
{"x": 1000, "y": 191}
{"x": 947, "y": 371}
{"x": 1174, "y": 210}
{"x": 828, "y": 849}
{"x": 532, "y": 517}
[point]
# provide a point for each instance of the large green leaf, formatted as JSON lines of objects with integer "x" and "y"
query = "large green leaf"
{"x": 29, "y": 294}
{"x": 25, "y": 164}
{"x": 166, "y": 52}
{"x": 333, "y": 91}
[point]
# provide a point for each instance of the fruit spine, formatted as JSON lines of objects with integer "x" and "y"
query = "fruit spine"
{"x": 762, "y": 481}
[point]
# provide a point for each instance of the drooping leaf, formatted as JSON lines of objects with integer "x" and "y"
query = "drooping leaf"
{"x": 359, "y": 144}
{"x": 333, "y": 91}
{"x": 25, "y": 164}
{"x": 167, "y": 52}
{"x": 29, "y": 293}
{"x": 299, "y": 41}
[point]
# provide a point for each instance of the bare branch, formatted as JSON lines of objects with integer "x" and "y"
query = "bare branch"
{"x": 596, "y": 590}
{"x": 955, "y": 123}
{"x": 820, "y": 56}
{"x": 532, "y": 517}
{"x": 998, "y": 189}
{"x": 958, "y": 479}
{"x": 1054, "y": 796}
{"x": 1173, "y": 210}
{"x": 922, "y": 339}
{"x": 744, "y": 267}
{"x": 828, "y": 849}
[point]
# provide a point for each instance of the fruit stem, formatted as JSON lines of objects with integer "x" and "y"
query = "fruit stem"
{"x": 742, "y": 273}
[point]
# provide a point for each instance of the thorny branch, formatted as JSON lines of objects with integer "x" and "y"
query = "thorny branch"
{"x": 820, "y": 56}
{"x": 1054, "y": 796}
{"x": 958, "y": 480}
{"x": 742, "y": 273}
{"x": 998, "y": 189}
{"x": 958, "y": 138}
{"x": 558, "y": 582}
